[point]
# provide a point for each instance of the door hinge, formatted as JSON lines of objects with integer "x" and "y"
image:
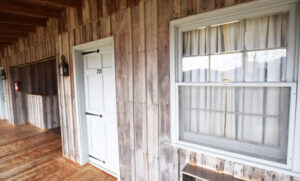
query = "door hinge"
{"x": 96, "y": 51}
{"x": 91, "y": 114}
{"x": 97, "y": 159}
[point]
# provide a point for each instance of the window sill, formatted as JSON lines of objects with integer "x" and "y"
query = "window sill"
{"x": 200, "y": 173}
{"x": 238, "y": 158}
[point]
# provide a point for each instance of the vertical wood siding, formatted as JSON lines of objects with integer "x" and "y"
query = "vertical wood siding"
{"x": 141, "y": 32}
{"x": 42, "y": 110}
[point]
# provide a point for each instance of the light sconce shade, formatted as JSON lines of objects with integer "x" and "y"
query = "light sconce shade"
{"x": 63, "y": 67}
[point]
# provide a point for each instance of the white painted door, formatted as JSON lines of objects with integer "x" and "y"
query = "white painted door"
{"x": 100, "y": 100}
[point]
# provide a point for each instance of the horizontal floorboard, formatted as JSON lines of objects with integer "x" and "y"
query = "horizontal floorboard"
{"x": 29, "y": 153}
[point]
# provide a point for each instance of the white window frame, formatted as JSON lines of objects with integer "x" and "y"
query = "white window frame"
{"x": 238, "y": 12}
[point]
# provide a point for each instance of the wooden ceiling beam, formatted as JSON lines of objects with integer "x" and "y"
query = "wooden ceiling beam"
{"x": 7, "y": 40}
{"x": 23, "y": 9}
{"x": 22, "y": 20}
{"x": 4, "y": 45}
{"x": 66, "y": 3}
{"x": 12, "y": 34}
{"x": 1, "y": 47}
{"x": 8, "y": 36}
{"x": 4, "y": 27}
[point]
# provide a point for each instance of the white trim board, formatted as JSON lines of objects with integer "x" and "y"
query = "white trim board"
{"x": 5, "y": 98}
{"x": 238, "y": 12}
{"x": 80, "y": 97}
{"x": 244, "y": 10}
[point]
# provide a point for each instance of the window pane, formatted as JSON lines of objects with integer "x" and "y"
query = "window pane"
{"x": 266, "y": 66}
{"x": 195, "y": 42}
{"x": 201, "y": 62}
{"x": 256, "y": 118}
{"x": 227, "y": 37}
{"x": 195, "y": 69}
{"x": 227, "y": 67}
{"x": 266, "y": 32}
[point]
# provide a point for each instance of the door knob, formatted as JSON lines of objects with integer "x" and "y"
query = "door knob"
{"x": 101, "y": 116}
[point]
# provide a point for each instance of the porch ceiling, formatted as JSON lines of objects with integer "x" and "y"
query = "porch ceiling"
{"x": 20, "y": 17}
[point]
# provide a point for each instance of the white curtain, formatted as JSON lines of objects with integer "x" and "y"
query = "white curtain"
{"x": 266, "y": 62}
{"x": 266, "y": 32}
{"x": 227, "y": 37}
{"x": 251, "y": 50}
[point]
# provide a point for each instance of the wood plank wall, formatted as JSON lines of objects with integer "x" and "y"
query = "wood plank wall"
{"x": 140, "y": 29}
{"x": 43, "y": 111}
{"x": 37, "y": 46}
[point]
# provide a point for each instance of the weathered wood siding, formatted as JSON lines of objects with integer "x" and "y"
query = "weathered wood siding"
{"x": 43, "y": 111}
{"x": 141, "y": 32}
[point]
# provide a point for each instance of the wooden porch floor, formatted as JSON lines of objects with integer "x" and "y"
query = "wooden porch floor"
{"x": 29, "y": 153}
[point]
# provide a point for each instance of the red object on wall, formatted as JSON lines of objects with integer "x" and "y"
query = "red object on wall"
{"x": 17, "y": 86}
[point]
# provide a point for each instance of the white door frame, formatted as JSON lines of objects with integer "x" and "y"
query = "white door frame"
{"x": 5, "y": 100}
{"x": 80, "y": 121}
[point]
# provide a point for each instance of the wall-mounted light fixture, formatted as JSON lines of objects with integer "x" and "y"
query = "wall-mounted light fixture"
{"x": 2, "y": 75}
{"x": 63, "y": 67}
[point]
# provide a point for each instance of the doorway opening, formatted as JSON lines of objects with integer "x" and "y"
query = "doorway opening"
{"x": 34, "y": 94}
{"x": 95, "y": 96}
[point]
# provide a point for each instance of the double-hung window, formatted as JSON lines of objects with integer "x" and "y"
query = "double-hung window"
{"x": 234, "y": 83}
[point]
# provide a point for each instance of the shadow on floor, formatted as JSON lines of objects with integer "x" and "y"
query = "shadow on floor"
{"x": 55, "y": 130}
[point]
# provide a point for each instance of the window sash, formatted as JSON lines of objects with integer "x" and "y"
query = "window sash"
{"x": 227, "y": 145}
{"x": 238, "y": 84}
{"x": 232, "y": 52}
{"x": 291, "y": 76}
{"x": 293, "y": 89}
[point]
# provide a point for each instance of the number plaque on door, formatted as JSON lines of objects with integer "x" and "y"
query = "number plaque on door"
{"x": 99, "y": 71}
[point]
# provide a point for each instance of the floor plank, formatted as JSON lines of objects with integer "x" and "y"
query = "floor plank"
{"x": 29, "y": 153}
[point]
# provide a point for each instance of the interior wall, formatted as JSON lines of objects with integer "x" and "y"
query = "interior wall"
{"x": 43, "y": 78}
{"x": 37, "y": 78}
{"x": 141, "y": 32}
